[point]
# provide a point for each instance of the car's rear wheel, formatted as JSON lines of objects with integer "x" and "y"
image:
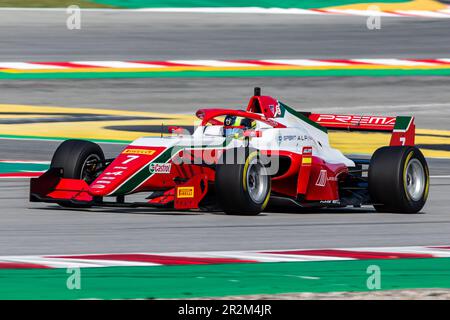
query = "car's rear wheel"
{"x": 398, "y": 179}
{"x": 78, "y": 159}
{"x": 242, "y": 188}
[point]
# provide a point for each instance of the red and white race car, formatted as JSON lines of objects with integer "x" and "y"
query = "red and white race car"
{"x": 240, "y": 161}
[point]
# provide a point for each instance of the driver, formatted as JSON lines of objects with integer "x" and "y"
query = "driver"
{"x": 235, "y": 126}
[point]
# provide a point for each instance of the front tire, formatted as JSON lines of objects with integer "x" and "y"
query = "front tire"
{"x": 398, "y": 179}
{"x": 78, "y": 159}
{"x": 243, "y": 189}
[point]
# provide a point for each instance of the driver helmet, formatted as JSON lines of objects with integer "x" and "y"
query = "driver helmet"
{"x": 237, "y": 125}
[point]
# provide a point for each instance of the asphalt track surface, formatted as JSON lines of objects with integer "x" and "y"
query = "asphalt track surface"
{"x": 43, "y": 36}
{"x": 27, "y": 228}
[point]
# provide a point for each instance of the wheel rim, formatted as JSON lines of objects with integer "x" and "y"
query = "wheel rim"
{"x": 415, "y": 180}
{"x": 257, "y": 182}
{"x": 89, "y": 169}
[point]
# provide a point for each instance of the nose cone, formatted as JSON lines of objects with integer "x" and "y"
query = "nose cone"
{"x": 126, "y": 172}
{"x": 98, "y": 190}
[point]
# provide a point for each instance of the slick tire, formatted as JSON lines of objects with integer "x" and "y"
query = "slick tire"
{"x": 242, "y": 187}
{"x": 78, "y": 159}
{"x": 398, "y": 179}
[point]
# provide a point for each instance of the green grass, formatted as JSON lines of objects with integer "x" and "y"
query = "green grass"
{"x": 191, "y": 281}
{"x": 51, "y": 4}
{"x": 20, "y": 167}
{"x": 304, "y": 4}
{"x": 229, "y": 74}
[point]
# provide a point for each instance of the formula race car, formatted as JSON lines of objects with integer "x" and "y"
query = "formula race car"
{"x": 240, "y": 161}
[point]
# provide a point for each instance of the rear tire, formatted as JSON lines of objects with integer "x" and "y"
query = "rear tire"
{"x": 79, "y": 159}
{"x": 398, "y": 179}
{"x": 242, "y": 188}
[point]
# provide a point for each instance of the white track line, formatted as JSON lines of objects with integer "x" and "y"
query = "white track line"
{"x": 24, "y": 161}
{"x": 424, "y": 14}
{"x": 213, "y": 63}
{"x": 441, "y": 62}
{"x": 305, "y": 62}
{"x": 24, "y": 177}
{"x": 436, "y": 252}
{"x": 26, "y": 66}
{"x": 234, "y": 10}
{"x": 394, "y": 62}
{"x": 366, "y": 13}
{"x": 116, "y": 64}
{"x": 265, "y": 257}
{"x": 444, "y": 13}
{"x": 259, "y": 256}
{"x": 49, "y": 263}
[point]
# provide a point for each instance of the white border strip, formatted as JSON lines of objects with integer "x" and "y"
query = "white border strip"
{"x": 262, "y": 256}
{"x": 261, "y": 63}
{"x": 443, "y": 13}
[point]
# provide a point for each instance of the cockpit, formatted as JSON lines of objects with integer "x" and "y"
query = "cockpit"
{"x": 235, "y": 126}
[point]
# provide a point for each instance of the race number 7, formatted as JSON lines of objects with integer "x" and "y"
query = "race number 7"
{"x": 130, "y": 158}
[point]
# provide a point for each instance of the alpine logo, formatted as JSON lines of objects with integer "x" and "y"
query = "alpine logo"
{"x": 322, "y": 179}
{"x": 163, "y": 168}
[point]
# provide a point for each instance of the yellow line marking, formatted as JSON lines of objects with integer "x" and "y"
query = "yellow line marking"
{"x": 347, "y": 142}
{"x": 425, "y": 5}
{"x": 367, "y": 143}
{"x": 22, "y": 116}
{"x": 433, "y": 132}
{"x": 51, "y": 109}
{"x": 89, "y": 129}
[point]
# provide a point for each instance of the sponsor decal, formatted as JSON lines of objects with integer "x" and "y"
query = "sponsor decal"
{"x": 276, "y": 110}
{"x": 270, "y": 122}
{"x": 330, "y": 202}
{"x": 272, "y": 109}
{"x": 139, "y": 151}
{"x": 113, "y": 173}
{"x": 357, "y": 120}
{"x": 322, "y": 179}
{"x": 293, "y": 137}
{"x": 98, "y": 186}
{"x": 161, "y": 168}
{"x": 290, "y": 138}
{"x": 306, "y": 160}
{"x": 185, "y": 192}
{"x": 306, "y": 156}
{"x": 304, "y": 138}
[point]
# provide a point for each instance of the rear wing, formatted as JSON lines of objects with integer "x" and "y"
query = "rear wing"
{"x": 402, "y": 128}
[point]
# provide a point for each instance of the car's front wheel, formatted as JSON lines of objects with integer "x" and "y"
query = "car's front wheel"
{"x": 78, "y": 159}
{"x": 243, "y": 188}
